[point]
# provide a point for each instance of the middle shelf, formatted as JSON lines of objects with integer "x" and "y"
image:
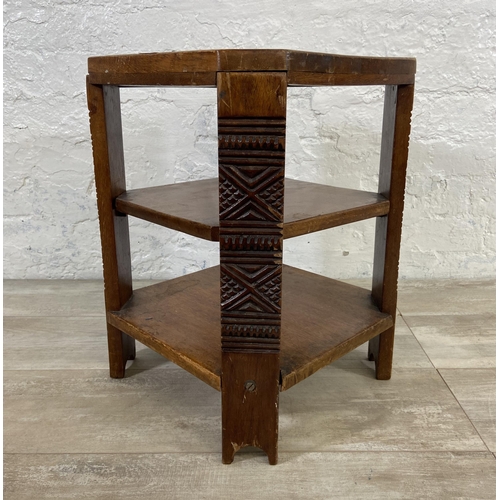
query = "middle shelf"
{"x": 322, "y": 319}
{"x": 193, "y": 207}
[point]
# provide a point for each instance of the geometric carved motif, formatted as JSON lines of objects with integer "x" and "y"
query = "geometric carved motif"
{"x": 251, "y": 191}
{"x": 252, "y": 288}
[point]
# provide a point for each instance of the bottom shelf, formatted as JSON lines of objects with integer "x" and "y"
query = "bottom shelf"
{"x": 322, "y": 319}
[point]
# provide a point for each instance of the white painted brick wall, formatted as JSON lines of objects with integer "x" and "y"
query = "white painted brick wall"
{"x": 51, "y": 228}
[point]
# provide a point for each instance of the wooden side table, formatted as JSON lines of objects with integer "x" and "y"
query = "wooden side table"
{"x": 250, "y": 327}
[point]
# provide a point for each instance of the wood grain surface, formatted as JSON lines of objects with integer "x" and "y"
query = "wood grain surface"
{"x": 336, "y": 410}
{"x": 251, "y": 115}
{"x": 376, "y": 475}
{"x": 392, "y": 182}
{"x": 109, "y": 168}
{"x": 200, "y": 67}
{"x": 193, "y": 207}
{"x": 235, "y": 343}
{"x": 475, "y": 390}
{"x": 322, "y": 319}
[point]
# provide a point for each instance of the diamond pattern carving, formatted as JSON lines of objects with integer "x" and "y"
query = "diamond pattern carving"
{"x": 251, "y": 180}
{"x": 256, "y": 288}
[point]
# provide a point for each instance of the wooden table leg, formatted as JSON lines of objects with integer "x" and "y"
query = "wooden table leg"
{"x": 107, "y": 147}
{"x": 252, "y": 113}
{"x": 393, "y": 161}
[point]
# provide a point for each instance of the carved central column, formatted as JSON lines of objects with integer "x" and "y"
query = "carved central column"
{"x": 252, "y": 119}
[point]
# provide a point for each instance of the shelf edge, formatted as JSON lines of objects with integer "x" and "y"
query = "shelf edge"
{"x": 186, "y": 226}
{"x": 165, "y": 350}
{"x": 335, "y": 353}
{"x": 329, "y": 221}
{"x": 291, "y": 229}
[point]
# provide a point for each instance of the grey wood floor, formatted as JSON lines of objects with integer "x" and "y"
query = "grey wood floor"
{"x": 72, "y": 432}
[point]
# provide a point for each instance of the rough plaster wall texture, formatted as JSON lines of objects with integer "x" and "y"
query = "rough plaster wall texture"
{"x": 51, "y": 227}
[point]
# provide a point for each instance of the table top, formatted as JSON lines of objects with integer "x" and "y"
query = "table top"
{"x": 200, "y": 67}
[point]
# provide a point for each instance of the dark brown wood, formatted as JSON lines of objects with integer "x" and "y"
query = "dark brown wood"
{"x": 192, "y": 79}
{"x": 156, "y": 62}
{"x": 393, "y": 160}
{"x": 107, "y": 148}
{"x": 199, "y": 67}
{"x": 179, "y": 319}
{"x": 315, "y": 62}
{"x": 251, "y": 110}
{"x": 322, "y": 319}
{"x": 192, "y": 68}
{"x": 251, "y": 326}
{"x": 311, "y": 79}
{"x": 237, "y": 98}
{"x": 252, "y": 60}
{"x": 193, "y": 207}
{"x": 251, "y": 401}
{"x": 190, "y": 207}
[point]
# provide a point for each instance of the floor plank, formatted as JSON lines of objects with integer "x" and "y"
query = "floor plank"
{"x": 56, "y": 297}
{"x": 322, "y": 476}
{"x": 72, "y": 432}
{"x": 53, "y": 298}
{"x": 475, "y": 391}
{"x": 55, "y": 287}
{"x": 169, "y": 410}
{"x": 345, "y": 409}
{"x": 44, "y": 343}
{"x": 407, "y": 352}
{"x": 456, "y": 341}
{"x": 444, "y": 297}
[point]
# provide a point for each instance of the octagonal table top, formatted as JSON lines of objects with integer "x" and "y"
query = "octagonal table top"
{"x": 199, "y": 68}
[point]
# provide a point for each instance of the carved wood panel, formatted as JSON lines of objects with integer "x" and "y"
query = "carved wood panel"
{"x": 251, "y": 190}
